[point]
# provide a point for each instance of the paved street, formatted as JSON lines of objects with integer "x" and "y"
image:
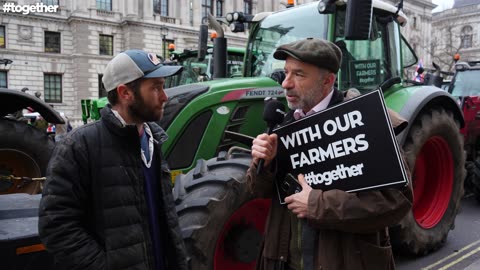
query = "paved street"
{"x": 462, "y": 250}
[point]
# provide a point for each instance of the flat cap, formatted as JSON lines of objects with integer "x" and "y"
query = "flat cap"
{"x": 318, "y": 52}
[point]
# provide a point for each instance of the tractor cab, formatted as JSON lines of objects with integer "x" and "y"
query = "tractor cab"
{"x": 367, "y": 61}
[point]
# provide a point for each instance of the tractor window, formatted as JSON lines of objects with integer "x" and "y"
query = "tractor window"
{"x": 368, "y": 63}
{"x": 184, "y": 150}
{"x": 466, "y": 83}
{"x": 234, "y": 66}
{"x": 408, "y": 55}
{"x": 192, "y": 70}
{"x": 278, "y": 29}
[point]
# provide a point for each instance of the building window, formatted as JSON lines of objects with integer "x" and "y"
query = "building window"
{"x": 104, "y": 5}
{"x": 50, "y": 2}
{"x": 206, "y": 8}
{"x": 219, "y": 8}
{"x": 3, "y": 79}
{"x": 2, "y": 36}
{"x": 165, "y": 46}
{"x": 101, "y": 88}
{"x": 52, "y": 42}
{"x": 52, "y": 86}
{"x": 160, "y": 7}
{"x": 106, "y": 45}
{"x": 191, "y": 13}
{"x": 466, "y": 37}
{"x": 247, "y": 8}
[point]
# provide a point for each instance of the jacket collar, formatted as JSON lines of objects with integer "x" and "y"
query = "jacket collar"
{"x": 115, "y": 126}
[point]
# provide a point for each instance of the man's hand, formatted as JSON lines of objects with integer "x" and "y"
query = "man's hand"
{"x": 264, "y": 147}
{"x": 298, "y": 203}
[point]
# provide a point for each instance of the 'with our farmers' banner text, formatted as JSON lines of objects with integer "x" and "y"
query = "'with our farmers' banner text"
{"x": 350, "y": 146}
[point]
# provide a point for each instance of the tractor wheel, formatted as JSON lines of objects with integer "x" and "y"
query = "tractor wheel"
{"x": 434, "y": 152}
{"x": 222, "y": 223}
{"x": 24, "y": 151}
{"x": 472, "y": 181}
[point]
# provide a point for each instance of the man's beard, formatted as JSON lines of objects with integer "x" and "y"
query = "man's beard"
{"x": 141, "y": 112}
{"x": 306, "y": 101}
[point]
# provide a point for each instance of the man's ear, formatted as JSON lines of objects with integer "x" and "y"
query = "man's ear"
{"x": 330, "y": 79}
{"x": 124, "y": 93}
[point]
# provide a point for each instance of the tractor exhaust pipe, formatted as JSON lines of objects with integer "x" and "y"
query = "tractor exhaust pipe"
{"x": 219, "y": 50}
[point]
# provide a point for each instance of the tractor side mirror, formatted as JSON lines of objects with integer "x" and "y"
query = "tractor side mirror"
{"x": 358, "y": 20}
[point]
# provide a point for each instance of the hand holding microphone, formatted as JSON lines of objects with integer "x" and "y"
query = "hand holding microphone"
{"x": 273, "y": 114}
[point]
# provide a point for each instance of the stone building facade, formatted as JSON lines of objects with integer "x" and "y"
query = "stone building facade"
{"x": 456, "y": 30}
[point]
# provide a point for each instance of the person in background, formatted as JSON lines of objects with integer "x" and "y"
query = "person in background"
{"x": 420, "y": 76}
{"x": 107, "y": 202}
{"x": 319, "y": 229}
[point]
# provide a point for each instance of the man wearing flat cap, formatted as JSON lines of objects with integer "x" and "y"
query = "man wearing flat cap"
{"x": 107, "y": 202}
{"x": 320, "y": 229}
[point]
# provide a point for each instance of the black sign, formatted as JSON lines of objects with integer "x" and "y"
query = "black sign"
{"x": 350, "y": 147}
{"x": 365, "y": 72}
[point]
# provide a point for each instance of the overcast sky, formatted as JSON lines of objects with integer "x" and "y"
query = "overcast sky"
{"x": 442, "y": 4}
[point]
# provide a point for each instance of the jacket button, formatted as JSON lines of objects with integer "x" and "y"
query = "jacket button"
{"x": 281, "y": 257}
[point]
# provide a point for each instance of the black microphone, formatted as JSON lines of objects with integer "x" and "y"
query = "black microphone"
{"x": 273, "y": 114}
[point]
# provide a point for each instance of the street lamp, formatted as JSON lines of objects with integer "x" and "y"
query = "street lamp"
{"x": 164, "y": 33}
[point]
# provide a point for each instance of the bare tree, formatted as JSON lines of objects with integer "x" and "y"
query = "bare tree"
{"x": 447, "y": 41}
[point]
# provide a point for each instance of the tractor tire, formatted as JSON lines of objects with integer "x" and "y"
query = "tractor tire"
{"x": 472, "y": 181}
{"x": 222, "y": 223}
{"x": 434, "y": 153}
{"x": 24, "y": 152}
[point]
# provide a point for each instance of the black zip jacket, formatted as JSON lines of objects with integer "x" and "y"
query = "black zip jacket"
{"x": 93, "y": 213}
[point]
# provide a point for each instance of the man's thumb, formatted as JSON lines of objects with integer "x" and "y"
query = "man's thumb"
{"x": 301, "y": 180}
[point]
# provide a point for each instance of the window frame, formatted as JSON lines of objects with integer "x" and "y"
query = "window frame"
{"x": 466, "y": 37}
{"x": 219, "y": 8}
{"x": 190, "y": 18}
{"x": 247, "y": 7}
{"x": 56, "y": 97}
{"x": 100, "y": 36}
{"x": 161, "y": 7}
{"x": 3, "y": 30}
{"x": 52, "y": 49}
{"x": 206, "y": 7}
{"x": 6, "y": 79}
{"x": 165, "y": 43}
{"x": 104, "y": 5}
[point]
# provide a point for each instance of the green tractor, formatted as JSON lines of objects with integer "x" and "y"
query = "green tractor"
{"x": 198, "y": 69}
{"x": 211, "y": 125}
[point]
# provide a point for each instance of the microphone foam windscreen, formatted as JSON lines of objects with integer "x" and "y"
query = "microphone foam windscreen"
{"x": 274, "y": 112}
